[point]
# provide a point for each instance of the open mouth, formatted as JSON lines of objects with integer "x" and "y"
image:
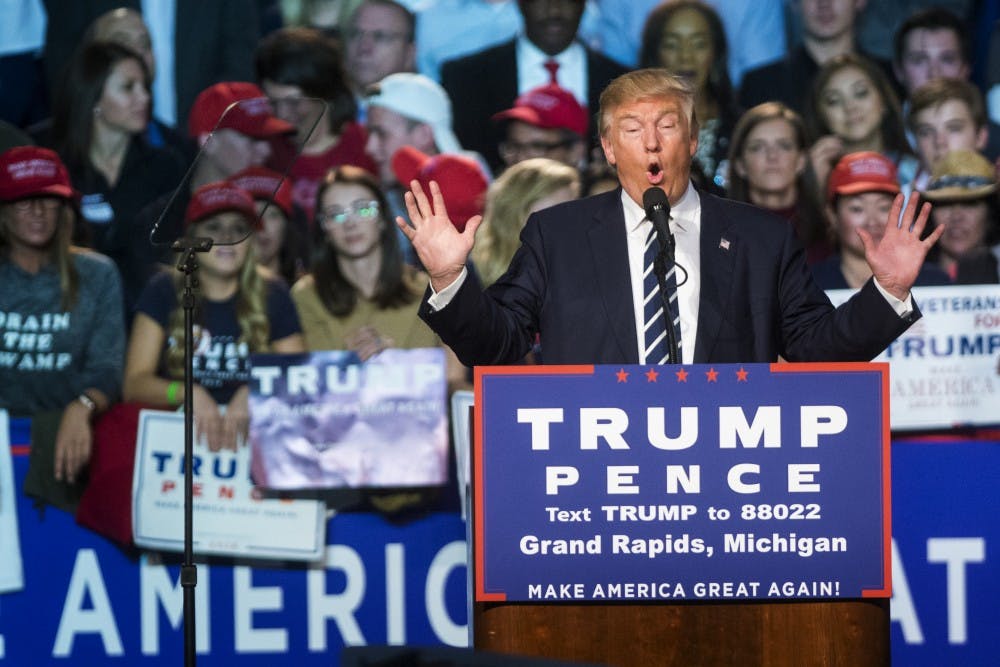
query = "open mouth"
{"x": 654, "y": 174}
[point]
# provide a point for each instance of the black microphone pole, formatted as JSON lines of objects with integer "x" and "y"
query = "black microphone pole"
{"x": 657, "y": 206}
{"x": 188, "y": 265}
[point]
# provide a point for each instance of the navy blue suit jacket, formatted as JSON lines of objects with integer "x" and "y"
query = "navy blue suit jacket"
{"x": 569, "y": 282}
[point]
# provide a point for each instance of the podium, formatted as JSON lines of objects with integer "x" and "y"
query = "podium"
{"x": 531, "y": 418}
{"x": 853, "y": 633}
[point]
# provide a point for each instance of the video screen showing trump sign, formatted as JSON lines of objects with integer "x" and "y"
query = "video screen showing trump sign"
{"x": 327, "y": 420}
{"x": 681, "y": 482}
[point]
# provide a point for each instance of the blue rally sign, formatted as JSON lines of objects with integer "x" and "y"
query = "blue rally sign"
{"x": 682, "y": 483}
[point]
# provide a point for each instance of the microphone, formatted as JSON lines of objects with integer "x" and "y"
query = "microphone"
{"x": 657, "y": 206}
{"x": 654, "y": 200}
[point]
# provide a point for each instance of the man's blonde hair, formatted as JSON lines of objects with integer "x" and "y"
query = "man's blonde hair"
{"x": 645, "y": 84}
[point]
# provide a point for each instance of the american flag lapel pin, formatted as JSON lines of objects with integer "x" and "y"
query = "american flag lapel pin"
{"x": 724, "y": 243}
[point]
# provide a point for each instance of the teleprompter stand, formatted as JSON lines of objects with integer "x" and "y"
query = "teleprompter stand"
{"x": 188, "y": 265}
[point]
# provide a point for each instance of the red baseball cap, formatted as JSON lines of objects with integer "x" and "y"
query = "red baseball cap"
{"x": 548, "y": 107}
{"x": 217, "y": 197}
{"x": 30, "y": 171}
{"x": 266, "y": 184}
{"x": 462, "y": 181}
{"x": 865, "y": 171}
{"x": 253, "y": 115}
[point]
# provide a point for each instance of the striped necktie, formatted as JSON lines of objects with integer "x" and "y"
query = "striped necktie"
{"x": 655, "y": 334}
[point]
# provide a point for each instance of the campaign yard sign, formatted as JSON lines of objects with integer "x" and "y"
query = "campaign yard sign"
{"x": 946, "y": 367}
{"x": 690, "y": 482}
{"x": 230, "y": 516}
{"x": 327, "y": 420}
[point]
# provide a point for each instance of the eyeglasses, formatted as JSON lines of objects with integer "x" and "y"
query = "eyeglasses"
{"x": 221, "y": 232}
{"x": 45, "y": 204}
{"x": 380, "y": 37}
{"x": 361, "y": 209}
{"x": 533, "y": 148}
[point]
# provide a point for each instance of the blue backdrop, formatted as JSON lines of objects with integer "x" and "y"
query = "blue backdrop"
{"x": 85, "y": 600}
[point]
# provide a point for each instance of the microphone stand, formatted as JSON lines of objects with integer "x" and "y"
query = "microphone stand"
{"x": 188, "y": 265}
{"x": 660, "y": 269}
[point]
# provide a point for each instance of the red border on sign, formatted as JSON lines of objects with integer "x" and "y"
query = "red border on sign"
{"x": 479, "y": 373}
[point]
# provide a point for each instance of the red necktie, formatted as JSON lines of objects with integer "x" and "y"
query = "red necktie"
{"x": 553, "y": 66}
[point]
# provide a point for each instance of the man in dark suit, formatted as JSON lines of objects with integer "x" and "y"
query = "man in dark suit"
{"x": 487, "y": 82}
{"x": 578, "y": 275}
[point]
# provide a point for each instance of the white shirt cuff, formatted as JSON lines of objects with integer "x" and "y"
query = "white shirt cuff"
{"x": 903, "y": 308}
{"x": 439, "y": 300}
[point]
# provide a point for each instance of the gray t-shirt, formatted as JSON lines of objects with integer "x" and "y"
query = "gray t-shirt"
{"x": 48, "y": 355}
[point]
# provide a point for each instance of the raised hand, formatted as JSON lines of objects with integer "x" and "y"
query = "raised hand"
{"x": 895, "y": 261}
{"x": 442, "y": 249}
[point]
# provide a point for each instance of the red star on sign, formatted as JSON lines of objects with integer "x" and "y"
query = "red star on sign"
{"x": 712, "y": 375}
{"x": 651, "y": 375}
{"x": 741, "y": 375}
{"x": 682, "y": 375}
{"x": 622, "y": 375}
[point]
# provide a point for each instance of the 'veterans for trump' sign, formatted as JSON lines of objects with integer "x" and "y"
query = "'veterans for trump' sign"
{"x": 682, "y": 482}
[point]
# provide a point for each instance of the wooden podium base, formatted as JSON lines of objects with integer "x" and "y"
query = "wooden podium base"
{"x": 853, "y": 633}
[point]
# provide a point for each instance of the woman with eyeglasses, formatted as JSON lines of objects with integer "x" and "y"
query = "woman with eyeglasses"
{"x": 240, "y": 309}
{"x": 62, "y": 333}
{"x": 359, "y": 295}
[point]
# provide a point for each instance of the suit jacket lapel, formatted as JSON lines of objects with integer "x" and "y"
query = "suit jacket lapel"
{"x": 718, "y": 255}
{"x": 609, "y": 249}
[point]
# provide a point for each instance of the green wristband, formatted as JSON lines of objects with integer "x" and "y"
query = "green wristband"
{"x": 172, "y": 393}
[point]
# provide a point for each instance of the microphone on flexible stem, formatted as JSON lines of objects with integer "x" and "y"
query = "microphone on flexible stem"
{"x": 657, "y": 206}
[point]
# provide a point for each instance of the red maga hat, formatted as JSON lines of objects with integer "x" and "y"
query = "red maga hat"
{"x": 462, "y": 181}
{"x": 218, "y": 197}
{"x": 865, "y": 171}
{"x": 253, "y": 115}
{"x": 266, "y": 184}
{"x": 548, "y": 107}
{"x": 30, "y": 171}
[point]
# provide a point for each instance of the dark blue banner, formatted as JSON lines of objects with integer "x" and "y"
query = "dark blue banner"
{"x": 682, "y": 483}
{"x": 86, "y": 602}
{"x": 945, "y": 566}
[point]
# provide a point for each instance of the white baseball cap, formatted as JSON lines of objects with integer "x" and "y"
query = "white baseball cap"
{"x": 418, "y": 98}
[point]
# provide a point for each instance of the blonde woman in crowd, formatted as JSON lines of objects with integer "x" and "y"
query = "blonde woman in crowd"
{"x": 61, "y": 334}
{"x": 526, "y": 187}
{"x": 240, "y": 309}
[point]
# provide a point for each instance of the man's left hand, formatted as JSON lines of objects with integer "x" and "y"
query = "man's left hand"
{"x": 895, "y": 261}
